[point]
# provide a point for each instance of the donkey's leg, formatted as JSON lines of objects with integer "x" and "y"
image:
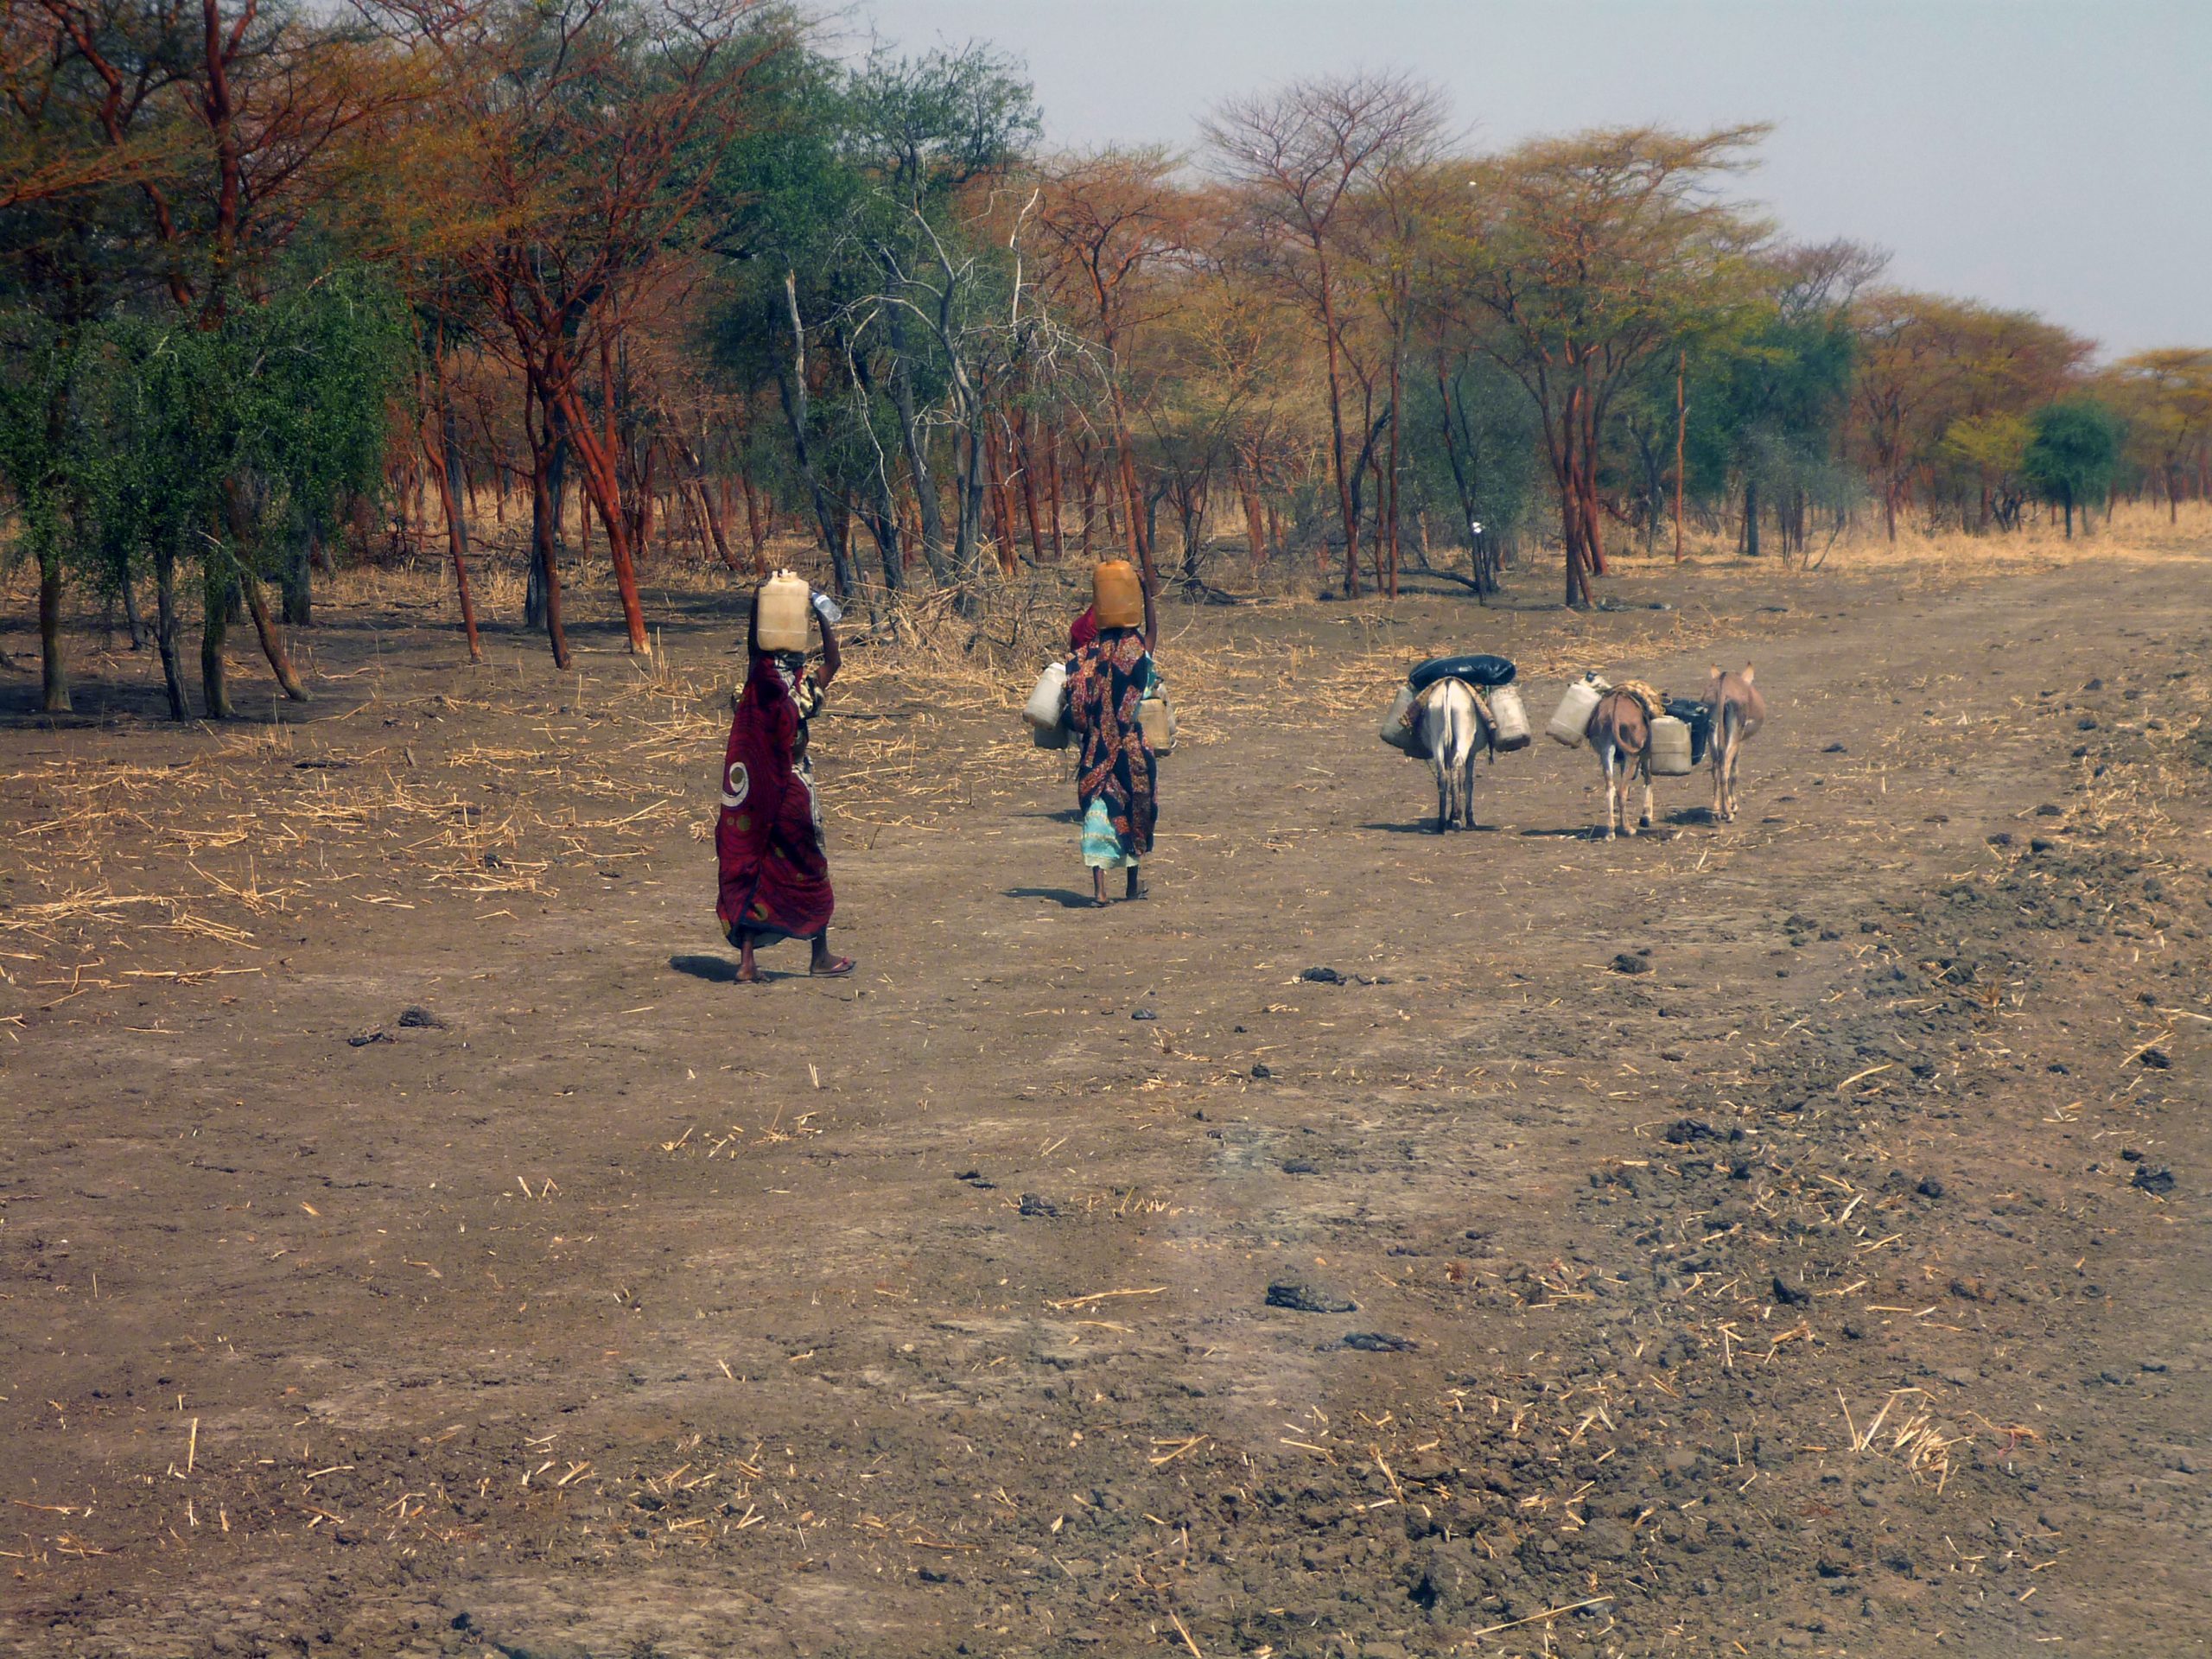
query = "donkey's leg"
{"x": 1647, "y": 791}
{"x": 1610, "y": 791}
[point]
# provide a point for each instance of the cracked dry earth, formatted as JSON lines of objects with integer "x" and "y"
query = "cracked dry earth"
{"x": 1781, "y": 1235}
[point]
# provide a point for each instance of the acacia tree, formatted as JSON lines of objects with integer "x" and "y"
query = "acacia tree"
{"x": 1300, "y": 155}
{"x": 165, "y": 157}
{"x": 932, "y": 138}
{"x": 2167, "y": 397}
{"x": 1593, "y": 255}
{"x": 1107, "y": 221}
{"x": 1766, "y": 394}
{"x": 1924, "y": 362}
{"x": 589, "y": 134}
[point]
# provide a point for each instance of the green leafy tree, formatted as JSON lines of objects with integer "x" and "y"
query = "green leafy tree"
{"x": 2072, "y": 457}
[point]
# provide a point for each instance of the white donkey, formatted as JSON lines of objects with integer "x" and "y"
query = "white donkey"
{"x": 1448, "y": 722}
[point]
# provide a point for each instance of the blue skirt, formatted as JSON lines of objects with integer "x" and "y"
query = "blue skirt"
{"x": 1101, "y": 848}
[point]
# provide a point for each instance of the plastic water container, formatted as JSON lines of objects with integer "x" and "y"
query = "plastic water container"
{"x": 779, "y": 610}
{"x": 1048, "y": 703}
{"x": 1047, "y": 709}
{"x": 1510, "y": 719}
{"x": 1570, "y": 721}
{"x": 1156, "y": 716}
{"x": 1398, "y": 723}
{"x": 1117, "y": 595}
{"x": 1670, "y": 748}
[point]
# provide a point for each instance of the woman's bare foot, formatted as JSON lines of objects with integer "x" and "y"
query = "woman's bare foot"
{"x": 824, "y": 965}
{"x": 748, "y": 974}
{"x": 1099, "y": 888}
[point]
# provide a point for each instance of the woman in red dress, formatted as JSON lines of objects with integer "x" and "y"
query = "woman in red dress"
{"x": 768, "y": 842}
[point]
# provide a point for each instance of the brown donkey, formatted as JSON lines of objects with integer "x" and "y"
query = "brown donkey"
{"x": 1620, "y": 731}
{"x": 1738, "y": 711}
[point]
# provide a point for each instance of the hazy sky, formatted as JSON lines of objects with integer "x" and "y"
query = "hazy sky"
{"x": 2054, "y": 155}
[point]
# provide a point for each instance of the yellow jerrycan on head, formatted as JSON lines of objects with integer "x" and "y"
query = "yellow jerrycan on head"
{"x": 779, "y": 610}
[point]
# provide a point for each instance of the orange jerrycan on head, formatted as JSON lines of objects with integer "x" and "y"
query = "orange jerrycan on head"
{"x": 1117, "y": 595}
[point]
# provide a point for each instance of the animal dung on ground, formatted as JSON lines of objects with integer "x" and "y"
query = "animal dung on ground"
{"x": 1379, "y": 1342}
{"x": 2157, "y": 1182}
{"x": 379, "y": 1035}
{"x": 1632, "y": 962}
{"x": 415, "y": 1018}
{"x": 1302, "y": 1298}
{"x": 1322, "y": 976}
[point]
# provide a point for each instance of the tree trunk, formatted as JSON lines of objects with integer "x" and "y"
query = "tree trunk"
{"x": 1390, "y": 487}
{"x": 1027, "y": 461}
{"x": 1458, "y": 447}
{"x": 915, "y": 444}
{"x": 214, "y": 624}
{"x": 272, "y": 642}
{"x": 1002, "y": 518}
{"x": 547, "y": 490}
{"x": 545, "y": 541}
{"x": 605, "y": 491}
{"x": 791, "y": 385}
{"x": 1751, "y": 517}
{"x": 709, "y": 510}
{"x": 54, "y": 690}
{"x": 130, "y": 605}
{"x": 167, "y": 626}
{"x": 757, "y": 524}
{"x": 298, "y": 596}
{"x": 1255, "y": 529}
{"x": 1052, "y": 488}
{"x": 1344, "y": 508}
{"x": 450, "y": 497}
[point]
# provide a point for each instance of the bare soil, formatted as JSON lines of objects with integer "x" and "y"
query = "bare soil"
{"x": 1785, "y": 1235}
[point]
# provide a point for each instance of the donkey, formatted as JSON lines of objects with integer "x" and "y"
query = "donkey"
{"x": 1449, "y": 725}
{"x": 1620, "y": 731}
{"x": 1737, "y": 711}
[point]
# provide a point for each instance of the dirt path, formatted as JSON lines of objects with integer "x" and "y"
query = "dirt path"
{"x": 1754, "y": 1237}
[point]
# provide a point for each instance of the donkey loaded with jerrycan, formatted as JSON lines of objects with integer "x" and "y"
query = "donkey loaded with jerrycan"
{"x": 1638, "y": 731}
{"x": 1449, "y": 709}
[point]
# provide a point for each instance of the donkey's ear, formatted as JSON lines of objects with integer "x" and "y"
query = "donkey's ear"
{"x": 1748, "y": 672}
{"x": 1716, "y": 671}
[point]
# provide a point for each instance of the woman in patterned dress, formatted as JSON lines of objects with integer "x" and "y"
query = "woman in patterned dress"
{"x": 1116, "y": 774}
